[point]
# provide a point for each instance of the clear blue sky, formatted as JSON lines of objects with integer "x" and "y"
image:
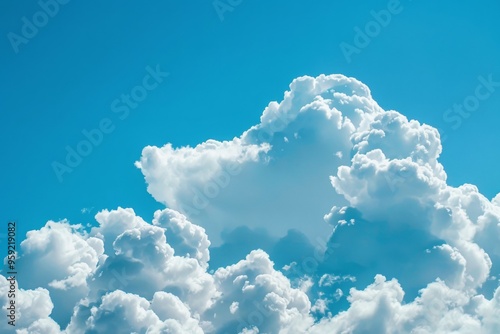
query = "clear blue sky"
{"x": 222, "y": 73}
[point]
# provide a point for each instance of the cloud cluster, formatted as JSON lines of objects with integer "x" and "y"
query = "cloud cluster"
{"x": 358, "y": 229}
{"x": 438, "y": 309}
{"x": 281, "y": 166}
{"x": 157, "y": 287}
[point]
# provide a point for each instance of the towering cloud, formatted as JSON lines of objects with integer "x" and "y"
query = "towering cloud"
{"x": 349, "y": 199}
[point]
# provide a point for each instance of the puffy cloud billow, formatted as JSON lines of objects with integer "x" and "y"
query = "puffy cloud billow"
{"x": 331, "y": 215}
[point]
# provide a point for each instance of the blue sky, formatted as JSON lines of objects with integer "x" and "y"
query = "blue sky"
{"x": 222, "y": 75}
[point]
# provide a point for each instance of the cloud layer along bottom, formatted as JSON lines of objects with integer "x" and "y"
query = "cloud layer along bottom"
{"x": 342, "y": 212}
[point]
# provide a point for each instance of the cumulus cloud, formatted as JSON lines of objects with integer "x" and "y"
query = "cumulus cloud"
{"x": 142, "y": 262}
{"x": 63, "y": 257}
{"x": 186, "y": 238}
{"x": 255, "y": 295}
{"x": 34, "y": 308}
{"x": 259, "y": 179}
{"x": 120, "y": 312}
{"x": 331, "y": 215}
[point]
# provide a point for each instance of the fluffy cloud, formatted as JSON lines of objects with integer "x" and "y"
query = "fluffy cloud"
{"x": 34, "y": 308}
{"x": 379, "y": 309}
{"x": 265, "y": 177}
{"x": 186, "y": 238}
{"x": 63, "y": 257}
{"x": 255, "y": 295}
{"x": 145, "y": 281}
{"x": 142, "y": 262}
{"x": 349, "y": 199}
{"x": 438, "y": 309}
{"x": 120, "y": 312}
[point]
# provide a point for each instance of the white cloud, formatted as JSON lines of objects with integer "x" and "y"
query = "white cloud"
{"x": 254, "y": 294}
{"x": 173, "y": 173}
{"x": 379, "y": 309}
{"x": 186, "y": 238}
{"x": 33, "y": 308}
{"x": 432, "y": 248}
{"x": 144, "y": 263}
{"x": 258, "y": 179}
{"x": 120, "y": 312}
{"x": 113, "y": 223}
{"x": 175, "y": 314}
{"x": 63, "y": 257}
